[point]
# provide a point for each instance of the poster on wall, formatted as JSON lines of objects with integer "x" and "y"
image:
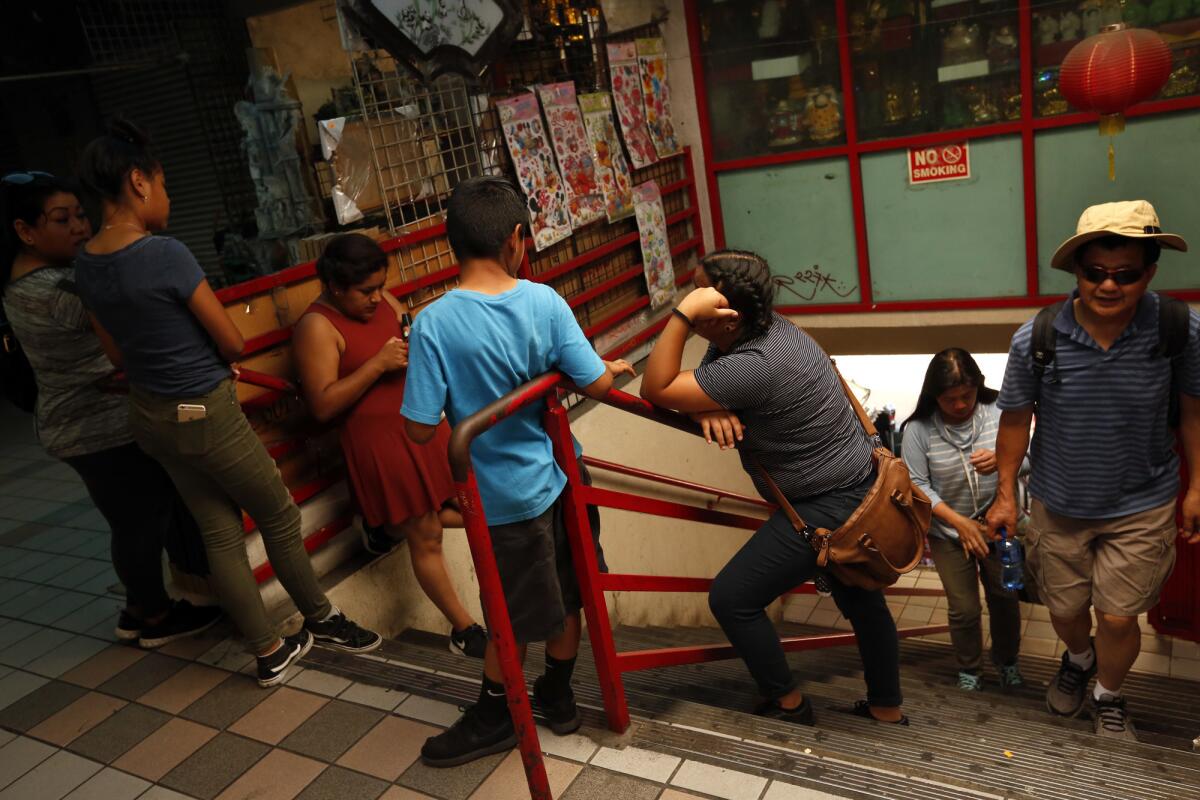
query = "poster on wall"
{"x": 536, "y": 173}
{"x": 656, "y": 245}
{"x": 611, "y": 168}
{"x": 585, "y": 199}
{"x": 627, "y": 96}
{"x": 947, "y": 162}
{"x": 652, "y": 60}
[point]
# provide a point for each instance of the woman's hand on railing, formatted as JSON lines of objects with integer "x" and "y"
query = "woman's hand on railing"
{"x": 723, "y": 427}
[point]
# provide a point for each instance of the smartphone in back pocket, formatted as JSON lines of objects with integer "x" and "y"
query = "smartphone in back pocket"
{"x": 190, "y": 412}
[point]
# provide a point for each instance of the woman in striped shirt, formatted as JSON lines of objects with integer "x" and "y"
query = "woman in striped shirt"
{"x": 950, "y": 448}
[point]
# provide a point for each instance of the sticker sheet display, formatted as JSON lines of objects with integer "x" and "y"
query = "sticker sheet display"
{"x": 652, "y": 58}
{"x": 656, "y": 247}
{"x": 611, "y": 168}
{"x": 536, "y": 172}
{"x": 627, "y": 96}
{"x": 585, "y": 200}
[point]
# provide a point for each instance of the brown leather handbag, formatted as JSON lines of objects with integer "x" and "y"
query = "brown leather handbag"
{"x": 885, "y": 536}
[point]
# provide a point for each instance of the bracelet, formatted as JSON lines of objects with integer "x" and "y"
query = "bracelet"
{"x": 683, "y": 317}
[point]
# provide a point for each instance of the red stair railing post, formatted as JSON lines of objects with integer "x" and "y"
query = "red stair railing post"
{"x": 587, "y": 569}
{"x": 490, "y": 589}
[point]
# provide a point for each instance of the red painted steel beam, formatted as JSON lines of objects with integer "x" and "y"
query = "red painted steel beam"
{"x": 850, "y": 116}
{"x": 635, "y": 660}
{"x": 625, "y": 582}
{"x": 1028, "y": 164}
{"x": 634, "y": 472}
{"x": 609, "y": 498}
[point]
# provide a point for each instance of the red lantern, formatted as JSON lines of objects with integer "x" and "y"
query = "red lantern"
{"x": 1113, "y": 70}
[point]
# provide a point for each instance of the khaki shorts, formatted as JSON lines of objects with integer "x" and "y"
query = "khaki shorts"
{"x": 1118, "y": 565}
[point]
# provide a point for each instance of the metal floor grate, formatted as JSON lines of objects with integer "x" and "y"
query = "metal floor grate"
{"x": 954, "y": 748}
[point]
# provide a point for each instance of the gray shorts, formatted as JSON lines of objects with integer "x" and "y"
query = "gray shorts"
{"x": 538, "y": 574}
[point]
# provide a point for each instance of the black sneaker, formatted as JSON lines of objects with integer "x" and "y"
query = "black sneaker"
{"x": 1065, "y": 694}
{"x": 470, "y": 641}
{"x": 800, "y": 715}
{"x": 183, "y": 620}
{"x": 272, "y": 669}
{"x": 375, "y": 540}
{"x": 863, "y": 709}
{"x": 340, "y": 633}
{"x": 469, "y": 738}
{"x": 129, "y": 627}
{"x": 561, "y": 713}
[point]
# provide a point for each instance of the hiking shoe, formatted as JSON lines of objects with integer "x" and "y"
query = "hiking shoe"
{"x": 800, "y": 715}
{"x": 469, "y": 738}
{"x": 1112, "y": 720}
{"x": 1064, "y": 695}
{"x": 376, "y": 541}
{"x": 272, "y": 669}
{"x": 339, "y": 633}
{"x": 970, "y": 682}
{"x": 863, "y": 709}
{"x": 129, "y": 627}
{"x": 1010, "y": 677}
{"x": 183, "y": 620}
{"x": 470, "y": 641}
{"x": 561, "y": 713}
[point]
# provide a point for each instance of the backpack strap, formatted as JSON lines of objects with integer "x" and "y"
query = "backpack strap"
{"x": 1173, "y": 327}
{"x": 1045, "y": 339}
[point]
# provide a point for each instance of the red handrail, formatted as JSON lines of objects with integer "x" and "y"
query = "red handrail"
{"x": 592, "y": 583}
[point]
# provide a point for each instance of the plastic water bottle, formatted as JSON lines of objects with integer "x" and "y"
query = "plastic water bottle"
{"x": 1012, "y": 560}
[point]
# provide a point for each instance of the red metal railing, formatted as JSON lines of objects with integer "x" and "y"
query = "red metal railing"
{"x": 577, "y": 496}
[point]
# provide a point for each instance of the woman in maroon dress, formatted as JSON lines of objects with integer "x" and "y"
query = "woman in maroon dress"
{"x": 352, "y": 357}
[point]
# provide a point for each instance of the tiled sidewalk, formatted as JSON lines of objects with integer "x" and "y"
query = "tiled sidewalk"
{"x": 85, "y": 718}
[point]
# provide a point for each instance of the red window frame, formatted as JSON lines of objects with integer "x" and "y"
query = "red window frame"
{"x": 853, "y": 151}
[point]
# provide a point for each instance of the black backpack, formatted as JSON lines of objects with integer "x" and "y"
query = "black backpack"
{"x": 1173, "y": 322}
{"x": 16, "y": 375}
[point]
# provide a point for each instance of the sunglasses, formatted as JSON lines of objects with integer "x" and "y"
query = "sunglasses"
{"x": 1122, "y": 277}
{"x": 22, "y": 178}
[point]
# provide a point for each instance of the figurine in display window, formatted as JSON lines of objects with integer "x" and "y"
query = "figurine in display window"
{"x": 1110, "y": 12}
{"x": 983, "y": 108}
{"x": 954, "y": 111}
{"x": 1011, "y": 102}
{"x": 1135, "y": 14}
{"x": 1183, "y": 80}
{"x": 1091, "y": 16}
{"x": 786, "y": 125}
{"x": 895, "y": 110}
{"x": 1185, "y": 9}
{"x": 916, "y": 102}
{"x": 1002, "y": 47}
{"x": 1047, "y": 28}
{"x": 1159, "y": 11}
{"x": 1050, "y": 101}
{"x": 1068, "y": 26}
{"x": 961, "y": 44}
{"x": 823, "y": 115}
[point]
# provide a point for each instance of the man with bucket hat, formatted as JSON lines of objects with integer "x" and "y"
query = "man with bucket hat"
{"x": 1105, "y": 371}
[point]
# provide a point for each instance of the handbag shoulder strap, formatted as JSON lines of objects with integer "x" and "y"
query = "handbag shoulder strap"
{"x": 868, "y": 426}
{"x": 797, "y": 521}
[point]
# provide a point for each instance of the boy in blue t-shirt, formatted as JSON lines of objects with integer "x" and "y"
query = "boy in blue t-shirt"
{"x": 477, "y": 343}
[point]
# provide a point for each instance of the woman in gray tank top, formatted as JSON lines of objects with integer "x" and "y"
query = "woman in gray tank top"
{"x": 80, "y": 423}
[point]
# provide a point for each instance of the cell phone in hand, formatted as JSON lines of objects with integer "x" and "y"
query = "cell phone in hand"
{"x": 405, "y": 325}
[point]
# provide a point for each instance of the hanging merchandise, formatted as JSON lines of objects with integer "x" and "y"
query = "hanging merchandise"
{"x": 656, "y": 245}
{"x": 534, "y": 165}
{"x": 652, "y": 58}
{"x": 627, "y": 95}
{"x": 585, "y": 202}
{"x": 1111, "y": 71}
{"x": 611, "y": 168}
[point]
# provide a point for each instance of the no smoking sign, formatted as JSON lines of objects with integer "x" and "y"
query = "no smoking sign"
{"x": 948, "y": 162}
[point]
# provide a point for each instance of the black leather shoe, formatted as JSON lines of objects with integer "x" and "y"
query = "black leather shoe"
{"x": 470, "y": 738}
{"x": 800, "y": 715}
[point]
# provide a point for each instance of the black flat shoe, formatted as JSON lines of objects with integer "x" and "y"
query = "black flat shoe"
{"x": 800, "y": 715}
{"x": 863, "y": 709}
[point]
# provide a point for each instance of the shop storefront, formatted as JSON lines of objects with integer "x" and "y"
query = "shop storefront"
{"x": 918, "y": 154}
